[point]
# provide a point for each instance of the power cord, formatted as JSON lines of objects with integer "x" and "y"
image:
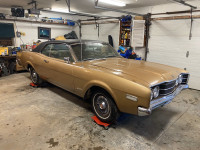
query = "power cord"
{"x": 20, "y": 36}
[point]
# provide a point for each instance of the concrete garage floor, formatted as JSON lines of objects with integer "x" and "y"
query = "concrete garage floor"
{"x": 51, "y": 118}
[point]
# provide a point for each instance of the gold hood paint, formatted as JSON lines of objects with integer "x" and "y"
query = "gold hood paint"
{"x": 137, "y": 71}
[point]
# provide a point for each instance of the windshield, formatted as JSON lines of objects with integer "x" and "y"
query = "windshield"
{"x": 91, "y": 51}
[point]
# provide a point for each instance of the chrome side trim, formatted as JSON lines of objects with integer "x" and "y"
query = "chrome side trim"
{"x": 160, "y": 102}
{"x": 131, "y": 97}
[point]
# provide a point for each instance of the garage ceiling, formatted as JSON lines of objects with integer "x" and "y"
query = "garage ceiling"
{"x": 82, "y": 5}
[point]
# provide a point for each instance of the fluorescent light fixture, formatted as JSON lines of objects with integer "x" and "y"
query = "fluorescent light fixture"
{"x": 60, "y": 10}
{"x": 113, "y": 2}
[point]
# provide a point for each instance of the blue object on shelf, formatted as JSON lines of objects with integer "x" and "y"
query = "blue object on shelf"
{"x": 70, "y": 23}
{"x": 56, "y": 18}
{"x": 138, "y": 58}
{"x": 14, "y": 52}
{"x": 126, "y": 18}
{"x": 122, "y": 48}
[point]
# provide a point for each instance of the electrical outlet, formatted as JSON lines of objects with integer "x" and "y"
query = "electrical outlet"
{"x": 18, "y": 34}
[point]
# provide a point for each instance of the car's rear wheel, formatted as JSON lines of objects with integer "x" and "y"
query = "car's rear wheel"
{"x": 35, "y": 77}
{"x": 104, "y": 107}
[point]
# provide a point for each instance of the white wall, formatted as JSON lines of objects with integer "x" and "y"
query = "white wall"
{"x": 91, "y": 32}
{"x": 170, "y": 42}
{"x": 31, "y": 29}
{"x": 154, "y": 9}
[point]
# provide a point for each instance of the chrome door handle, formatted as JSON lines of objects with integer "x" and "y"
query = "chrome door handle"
{"x": 46, "y": 61}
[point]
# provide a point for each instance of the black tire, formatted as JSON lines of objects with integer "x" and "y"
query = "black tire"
{"x": 104, "y": 107}
{"x": 35, "y": 77}
{"x": 12, "y": 67}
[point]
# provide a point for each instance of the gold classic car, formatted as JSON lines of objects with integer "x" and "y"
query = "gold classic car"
{"x": 94, "y": 71}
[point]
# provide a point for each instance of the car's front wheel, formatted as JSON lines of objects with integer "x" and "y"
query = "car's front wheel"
{"x": 35, "y": 77}
{"x": 104, "y": 107}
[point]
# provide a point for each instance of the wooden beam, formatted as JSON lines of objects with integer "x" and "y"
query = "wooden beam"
{"x": 176, "y": 17}
{"x": 30, "y": 21}
{"x": 100, "y": 22}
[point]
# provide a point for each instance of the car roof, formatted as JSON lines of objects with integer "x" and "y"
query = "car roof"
{"x": 69, "y": 42}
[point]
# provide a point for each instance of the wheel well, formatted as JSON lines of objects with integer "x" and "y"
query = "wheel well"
{"x": 29, "y": 67}
{"x": 92, "y": 89}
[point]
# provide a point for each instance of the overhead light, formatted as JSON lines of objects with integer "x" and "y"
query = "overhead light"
{"x": 113, "y": 2}
{"x": 60, "y": 10}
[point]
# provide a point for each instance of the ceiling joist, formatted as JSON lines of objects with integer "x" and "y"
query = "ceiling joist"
{"x": 186, "y": 4}
{"x": 115, "y": 10}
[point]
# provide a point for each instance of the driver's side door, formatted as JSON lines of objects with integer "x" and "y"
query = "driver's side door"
{"x": 56, "y": 70}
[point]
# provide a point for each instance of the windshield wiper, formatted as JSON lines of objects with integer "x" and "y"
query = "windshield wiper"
{"x": 110, "y": 56}
{"x": 88, "y": 59}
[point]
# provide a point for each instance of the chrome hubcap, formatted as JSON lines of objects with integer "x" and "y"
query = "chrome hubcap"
{"x": 34, "y": 76}
{"x": 102, "y": 104}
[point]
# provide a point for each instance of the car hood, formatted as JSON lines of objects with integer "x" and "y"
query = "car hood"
{"x": 151, "y": 73}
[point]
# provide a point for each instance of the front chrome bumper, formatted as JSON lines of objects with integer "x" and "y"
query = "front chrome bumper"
{"x": 160, "y": 102}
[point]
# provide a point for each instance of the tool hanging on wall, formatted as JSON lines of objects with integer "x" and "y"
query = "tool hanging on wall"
{"x": 191, "y": 25}
{"x": 79, "y": 25}
{"x": 97, "y": 25}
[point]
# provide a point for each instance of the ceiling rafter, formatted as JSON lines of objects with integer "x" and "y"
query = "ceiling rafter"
{"x": 186, "y": 4}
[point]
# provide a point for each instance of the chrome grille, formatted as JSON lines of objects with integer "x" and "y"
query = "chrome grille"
{"x": 167, "y": 87}
{"x": 185, "y": 78}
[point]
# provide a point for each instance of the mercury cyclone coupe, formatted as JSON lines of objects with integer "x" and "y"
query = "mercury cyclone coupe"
{"x": 94, "y": 70}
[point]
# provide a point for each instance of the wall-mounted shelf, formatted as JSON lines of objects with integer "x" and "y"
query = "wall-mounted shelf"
{"x": 39, "y": 22}
{"x": 125, "y": 33}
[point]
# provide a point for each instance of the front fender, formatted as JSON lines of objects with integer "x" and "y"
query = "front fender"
{"x": 98, "y": 84}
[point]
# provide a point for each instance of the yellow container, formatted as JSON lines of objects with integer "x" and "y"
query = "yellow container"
{"x": 3, "y": 51}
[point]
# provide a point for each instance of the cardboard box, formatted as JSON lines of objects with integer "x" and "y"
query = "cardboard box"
{"x": 3, "y": 51}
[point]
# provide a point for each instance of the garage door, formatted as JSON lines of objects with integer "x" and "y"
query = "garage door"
{"x": 169, "y": 44}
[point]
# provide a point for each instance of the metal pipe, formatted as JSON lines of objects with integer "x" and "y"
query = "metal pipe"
{"x": 90, "y": 15}
{"x": 120, "y": 11}
{"x": 184, "y": 3}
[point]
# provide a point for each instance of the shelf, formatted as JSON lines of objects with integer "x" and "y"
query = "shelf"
{"x": 126, "y": 26}
{"x": 125, "y": 39}
{"x": 40, "y": 22}
{"x": 126, "y": 22}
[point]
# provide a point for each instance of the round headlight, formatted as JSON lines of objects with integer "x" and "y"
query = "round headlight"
{"x": 180, "y": 79}
{"x": 155, "y": 92}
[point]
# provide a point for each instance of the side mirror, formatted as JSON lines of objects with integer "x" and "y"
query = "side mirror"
{"x": 67, "y": 60}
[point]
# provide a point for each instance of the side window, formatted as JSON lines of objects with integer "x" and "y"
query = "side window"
{"x": 60, "y": 51}
{"x": 47, "y": 49}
